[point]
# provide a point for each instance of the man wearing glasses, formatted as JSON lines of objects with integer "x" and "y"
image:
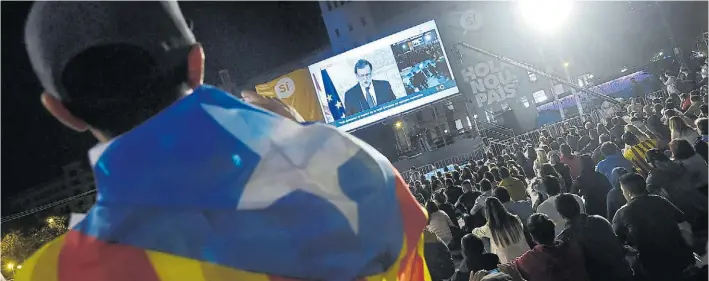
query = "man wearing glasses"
{"x": 367, "y": 93}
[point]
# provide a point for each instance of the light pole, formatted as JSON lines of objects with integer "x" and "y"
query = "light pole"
{"x": 573, "y": 92}
{"x": 550, "y": 69}
{"x": 475, "y": 121}
{"x": 400, "y": 125}
{"x": 546, "y": 16}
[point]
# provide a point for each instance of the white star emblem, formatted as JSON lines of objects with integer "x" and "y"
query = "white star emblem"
{"x": 329, "y": 98}
{"x": 293, "y": 157}
{"x": 338, "y": 104}
{"x": 343, "y": 115}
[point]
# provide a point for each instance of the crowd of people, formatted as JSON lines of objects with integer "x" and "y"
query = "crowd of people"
{"x": 624, "y": 199}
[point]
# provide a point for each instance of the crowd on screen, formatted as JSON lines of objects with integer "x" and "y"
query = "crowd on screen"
{"x": 625, "y": 199}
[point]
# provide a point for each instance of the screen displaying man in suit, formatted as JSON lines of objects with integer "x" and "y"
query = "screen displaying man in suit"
{"x": 367, "y": 93}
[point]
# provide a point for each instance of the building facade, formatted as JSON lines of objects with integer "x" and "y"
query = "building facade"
{"x": 490, "y": 89}
{"x": 75, "y": 180}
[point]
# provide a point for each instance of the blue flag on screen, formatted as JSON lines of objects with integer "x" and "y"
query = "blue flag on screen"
{"x": 337, "y": 108}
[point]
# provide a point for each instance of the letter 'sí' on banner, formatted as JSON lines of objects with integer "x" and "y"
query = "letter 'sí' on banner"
{"x": 295, "y": 89}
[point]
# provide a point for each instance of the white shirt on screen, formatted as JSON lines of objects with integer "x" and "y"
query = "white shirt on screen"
{"x": 371, "y": 92}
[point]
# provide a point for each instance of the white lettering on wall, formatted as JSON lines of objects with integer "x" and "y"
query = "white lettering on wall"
{"x": 491, "y": 82}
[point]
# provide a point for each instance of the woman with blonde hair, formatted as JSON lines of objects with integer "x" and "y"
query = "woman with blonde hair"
{"x": 679, "y": 129}
{"x": 541, "y": 159}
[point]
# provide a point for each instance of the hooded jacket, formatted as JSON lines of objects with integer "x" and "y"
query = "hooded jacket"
{"x": 674, "y": 181}
{"x": 697, "y": 170}
{"x": 614, "y": 198}
{"x": 603, "y": 253}
{"x": 594, "y": 188}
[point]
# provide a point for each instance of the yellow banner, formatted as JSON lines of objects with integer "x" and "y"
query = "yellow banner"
{"x": 295, "y": 89}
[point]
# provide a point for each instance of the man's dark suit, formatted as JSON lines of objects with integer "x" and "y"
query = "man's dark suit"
{"x": 355, "y": 101}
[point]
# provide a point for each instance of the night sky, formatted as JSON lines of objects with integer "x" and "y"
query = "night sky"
{"x": 249, "y": 38}
{"x": 246, "y": 38}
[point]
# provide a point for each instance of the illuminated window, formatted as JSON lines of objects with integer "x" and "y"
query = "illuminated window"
{"x": 558, "y": 89}
{"x": 539, "y": 96}
{"x": 532, "y": 76}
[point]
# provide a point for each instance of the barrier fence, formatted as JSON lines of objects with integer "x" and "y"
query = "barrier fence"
{"x": 498, "y": 146}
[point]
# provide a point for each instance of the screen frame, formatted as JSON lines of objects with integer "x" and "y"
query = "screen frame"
{"x": 395, "y": 110}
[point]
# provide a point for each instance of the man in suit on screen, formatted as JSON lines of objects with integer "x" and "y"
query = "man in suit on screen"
{"x": 367, "y": 93}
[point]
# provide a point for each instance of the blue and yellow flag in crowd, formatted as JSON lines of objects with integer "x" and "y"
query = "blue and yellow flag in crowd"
{"x": 215, "y": 189}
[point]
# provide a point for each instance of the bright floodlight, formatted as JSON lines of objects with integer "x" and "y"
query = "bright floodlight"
{"x": 398, "y": 124}
{"x": 545, "y": 15}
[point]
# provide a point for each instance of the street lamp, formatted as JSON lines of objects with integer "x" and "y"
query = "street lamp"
{"x": 50, "y": 220}
{"x": 19, "y": 266}
{"x": 10, "y": 266}
{"x": 398, "y": 124}
{"x": 545, "y": 15}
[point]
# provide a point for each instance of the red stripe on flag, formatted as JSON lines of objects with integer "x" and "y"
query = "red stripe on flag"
{"x": 278, "y": 278}
{"x": 413, "y": 216}
{"x": 85, "y": 258}
{"x": 417, "y": 270}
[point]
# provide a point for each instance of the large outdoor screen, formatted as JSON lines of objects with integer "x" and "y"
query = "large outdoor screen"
{"x": 389, "y": 76}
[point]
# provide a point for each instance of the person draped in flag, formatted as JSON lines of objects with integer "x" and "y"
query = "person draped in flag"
{"x": 194, "y": 184}
{"x": 635, "y": 153}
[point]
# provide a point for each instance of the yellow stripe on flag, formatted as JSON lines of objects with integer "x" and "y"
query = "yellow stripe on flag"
{"x": 218, "y": 272}
{"x": 426, "y": 274}
{"x": 174, "y": 268}
{"x": 43, "y": 264}
{"x": 170, "y": 267}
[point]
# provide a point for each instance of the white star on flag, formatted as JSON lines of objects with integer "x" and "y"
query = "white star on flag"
{"x": 329, "y": 98}
{"x": 298, "y": 155}
{"x": 343, "y": 115}
{"x": 338, "y": 104}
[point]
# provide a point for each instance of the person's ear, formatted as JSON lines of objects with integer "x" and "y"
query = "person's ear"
{"x": 55, "y": 107}
{"x": 195, "y": 66}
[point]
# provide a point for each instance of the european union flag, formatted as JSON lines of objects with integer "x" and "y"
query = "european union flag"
{"x": 212, "y": 188}
{"x": 337, "y": 108}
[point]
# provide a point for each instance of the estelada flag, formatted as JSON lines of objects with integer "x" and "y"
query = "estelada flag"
{"x": 295, "y": 89}
{"x": 215, "y": 189}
